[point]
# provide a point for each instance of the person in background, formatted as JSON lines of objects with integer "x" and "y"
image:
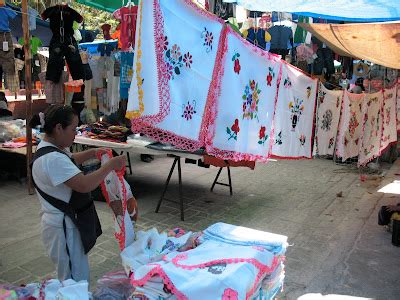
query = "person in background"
{"x": 4, "y": 112}
{"x": 68, "y": 232}
{"x": 358, "y": 86}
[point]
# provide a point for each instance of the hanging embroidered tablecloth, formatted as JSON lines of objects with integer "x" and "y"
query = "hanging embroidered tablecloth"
{"x": 329, "y": 104}
{"x": 294, "y": 114}
{"x": 186, "y": 45}
{"x": 144, "y": 64}
{"x": 350, "y": 126}
{"x": 389, "y": 132}
{"x": 240, "y": 118}
{"x": 372, "y": 128}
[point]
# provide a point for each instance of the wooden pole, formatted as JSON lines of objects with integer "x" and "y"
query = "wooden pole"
{"x": 28, "y": 89}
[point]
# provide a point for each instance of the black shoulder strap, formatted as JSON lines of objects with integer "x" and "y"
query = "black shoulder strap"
{"x": 57, "y": 203}
{"x": 45, "y": 150}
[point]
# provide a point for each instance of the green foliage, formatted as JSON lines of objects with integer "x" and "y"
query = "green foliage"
{"x": 94, "y": 18}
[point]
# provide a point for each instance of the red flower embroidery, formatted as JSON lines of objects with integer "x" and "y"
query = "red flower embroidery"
{"x": 269, "y": 79}
{"x": 233, "y": 131}
{"x": 262, "y": 132}
{"x": 270, "y": 76}
{"x": 235, "y": 127}
{"x": 237, "y": 66}
{"x": 230, "y": 294}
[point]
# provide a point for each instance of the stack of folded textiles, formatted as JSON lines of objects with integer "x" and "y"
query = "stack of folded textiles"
{"x": 105, "y": 131}
{"x": 207, "y": 265}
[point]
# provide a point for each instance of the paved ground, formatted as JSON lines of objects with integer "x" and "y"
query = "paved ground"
{"x": 336, "y": 245}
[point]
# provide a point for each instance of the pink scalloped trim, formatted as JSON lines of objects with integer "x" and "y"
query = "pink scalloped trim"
{"x": 255, "y": 49}
{"x": 263, "y": 269}
{"x": 120, "y": 174}
{"x": 157, "y": 270}
{"x": 214, "y": 91}
{"x": 272, "y": 135}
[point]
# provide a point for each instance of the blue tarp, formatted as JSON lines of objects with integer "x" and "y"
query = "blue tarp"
{"x": 42, "y": 30}
{"x": 344, "y": 10}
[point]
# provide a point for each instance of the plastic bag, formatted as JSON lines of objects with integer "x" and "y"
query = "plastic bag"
{"x": 113, "y": 285}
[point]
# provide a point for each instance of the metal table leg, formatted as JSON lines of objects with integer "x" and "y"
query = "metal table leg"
{"x": 177, "y": 159}
{"x": 224, "y": 184}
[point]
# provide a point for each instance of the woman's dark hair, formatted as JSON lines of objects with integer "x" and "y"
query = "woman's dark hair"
{"x": 53, "y": 115}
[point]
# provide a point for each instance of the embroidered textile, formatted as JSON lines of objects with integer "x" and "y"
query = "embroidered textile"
{"x": 241, "y": 117}
{"x": 186, "y": 49}
{"x": 389, "y": 132}
{"x": 204, "y": 264}
{"x": 372, "y": 128}
{"x": 294, "y": 114}
{"x": 350, "y": 126}
{"x": 126, "y": 73}
{"x": 127, "y": 17}
{"x": 238, "y": 235}
{"x": 120, "y": 199}
{"x": 329, "y": 104}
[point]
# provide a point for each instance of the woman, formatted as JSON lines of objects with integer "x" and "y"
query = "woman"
{"x": 71, "y": 216}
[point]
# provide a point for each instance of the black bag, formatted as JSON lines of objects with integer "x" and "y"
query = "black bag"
{"x": 384, "y": 216}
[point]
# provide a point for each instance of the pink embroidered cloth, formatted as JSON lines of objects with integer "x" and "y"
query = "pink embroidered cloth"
{"x": 241, "y": 117}
{"x": 389, "y": 132}
{"x": 350, "y": 126}
{"x": 187, "y": 42}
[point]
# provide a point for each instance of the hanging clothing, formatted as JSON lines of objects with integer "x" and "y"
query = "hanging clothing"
{"x": 257, "y": 36}
{"x": 280, "y": 36}
{"x": 117, "y": 35}
{"x": 300, "y": 34}
{"x": 223, "y": 10}
{"x": 59, "y": 50}
{"x": 5, "y": 15}
{"x": 54, "y": 91}
{"x": 127, "y": 16}
{"x": 35, "y": 43}
{"x": 62, "y": 43}
{"x": 126, "y": 73}
{"x": 7, "y": 57}
{"x": 62, "y": 16}
{"x": 32, "y": 13}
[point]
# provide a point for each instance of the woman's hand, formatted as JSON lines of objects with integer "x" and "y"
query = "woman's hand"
{"x": 118, "y": 162}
